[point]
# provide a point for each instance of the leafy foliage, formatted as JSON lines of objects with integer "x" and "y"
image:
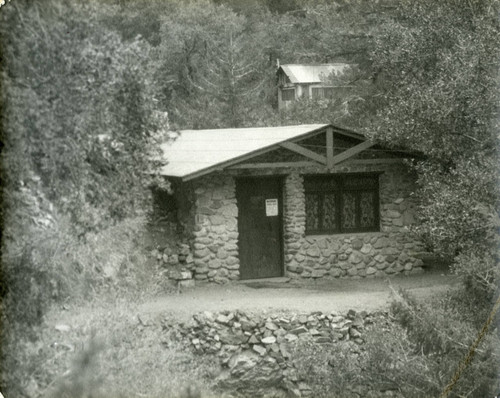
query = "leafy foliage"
{"x": 439, "y": 95}
{"x": 213, "y": 69}
{"x": 411, "y": 352}
{"x": 84, "y": 92}
{"x": 76, "y": 116}
{"x": 107, "y": 351}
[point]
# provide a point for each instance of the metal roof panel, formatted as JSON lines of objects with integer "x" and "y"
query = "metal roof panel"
{"x": 298, "y": 73}
{"x": 197, "y": 152}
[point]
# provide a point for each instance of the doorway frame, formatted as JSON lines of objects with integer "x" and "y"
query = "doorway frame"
{"x": 280, "y": 178}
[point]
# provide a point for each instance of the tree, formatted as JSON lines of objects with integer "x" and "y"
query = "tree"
{"x": 438, "y": 64}
{"x": 213, "y": 67}
{"x": 77, "y": 110}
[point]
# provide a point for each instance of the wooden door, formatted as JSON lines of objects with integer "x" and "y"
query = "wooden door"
{"x": 260, "y": 227}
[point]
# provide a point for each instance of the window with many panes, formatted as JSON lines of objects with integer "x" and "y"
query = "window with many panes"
{"x": 341, "y": 203}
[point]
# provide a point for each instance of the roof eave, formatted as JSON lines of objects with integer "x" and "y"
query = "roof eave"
{"x": 221, "y": 166}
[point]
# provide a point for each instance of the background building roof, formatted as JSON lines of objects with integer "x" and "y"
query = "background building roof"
{"x": 298, "y": 73}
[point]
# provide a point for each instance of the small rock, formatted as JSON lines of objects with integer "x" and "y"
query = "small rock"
{"x": 299, "y": 330}
{"x": 243, "y": 362}
{"x": 223, "y": 319}
{"x": 259, "y": 349}
{"x": 63, "y": 328}
{"x": 253, "y": 340}
{"x": 291, "y": 337}
{"x": 285, "y": 350}
{"x": 358, "y": 321}
{"x": 269, "y": 340}
{"x": 354, "y": 333}
{"x": 343, "y": 331}
{"x": 187, "y": 284}
{"x": 304, "y": 387}
{"x": 247, "y": 325}
{"x": 271, "y": 326}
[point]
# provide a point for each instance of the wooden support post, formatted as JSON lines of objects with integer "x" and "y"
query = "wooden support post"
{"x": 329, "y": 147}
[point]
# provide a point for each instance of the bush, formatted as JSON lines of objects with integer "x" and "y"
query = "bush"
{"x": 45, "y": 265}
{"x": 107, "y": 352}
{"x": 414, "y": 352}
{"x": 331, "y": 370}
{"x": 431, "y": 340}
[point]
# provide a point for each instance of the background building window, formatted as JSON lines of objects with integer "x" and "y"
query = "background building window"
{"x": 342, "y": 203}
{"x": 322, "y": 93}
{"x": 288, "y": 94}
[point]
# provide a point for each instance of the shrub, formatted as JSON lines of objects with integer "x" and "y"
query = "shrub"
{"x": 45, "y": 265}
{"x": 414, "y": 352}
{"x": 107, "y": 352}
{"x": 440, "y": 336}
{"x": 331, "y": 370}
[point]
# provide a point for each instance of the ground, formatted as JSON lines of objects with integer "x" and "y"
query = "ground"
{"x": 339, "y": 295}
{"x": 134, "y": 355}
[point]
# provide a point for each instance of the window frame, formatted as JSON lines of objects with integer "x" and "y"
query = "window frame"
{"x": 288, "y": 89}
{"x": 322, "y": 92}
{"x": 339, "y": 197}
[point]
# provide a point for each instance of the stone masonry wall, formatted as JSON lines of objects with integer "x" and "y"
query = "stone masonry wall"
{"x": 212, "y": 215}
{"x": 390, "y": 251}
{"x": 255, "y": 354}
{"x": 215, "y": 234}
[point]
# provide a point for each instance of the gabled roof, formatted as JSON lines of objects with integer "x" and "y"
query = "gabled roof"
{"x": 315, "y": 73}
{"x": 198, "y": 152}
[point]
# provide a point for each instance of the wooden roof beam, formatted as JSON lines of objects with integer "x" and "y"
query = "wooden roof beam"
{"x": 271, "y": 165}
{"x": 343, "y": 156}
{"x": 304, "y": 152}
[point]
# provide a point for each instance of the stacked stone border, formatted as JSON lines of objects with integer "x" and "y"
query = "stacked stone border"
{"x": 254, "y": 351}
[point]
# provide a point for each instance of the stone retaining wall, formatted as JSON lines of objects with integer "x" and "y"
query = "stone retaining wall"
{"x": 254, "y": 351}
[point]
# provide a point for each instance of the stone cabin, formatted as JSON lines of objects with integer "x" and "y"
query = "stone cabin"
{"x": 308, "y": 80}
{"x": 306, "y": 201}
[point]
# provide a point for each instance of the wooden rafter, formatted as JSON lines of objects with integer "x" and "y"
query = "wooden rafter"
{"x": 377, "y": 161}
{"x": 273, "y": 165}
{"x": 304, "y": 152}
{"x": 343, "y": 156}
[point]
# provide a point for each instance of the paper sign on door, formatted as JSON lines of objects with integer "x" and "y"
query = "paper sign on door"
{"x": 271, "y": 207}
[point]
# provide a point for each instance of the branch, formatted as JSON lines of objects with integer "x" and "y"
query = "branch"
{"x": 467, "y": 136}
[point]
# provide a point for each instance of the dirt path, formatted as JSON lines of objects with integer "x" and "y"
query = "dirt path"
{"x": 275, "y": 295}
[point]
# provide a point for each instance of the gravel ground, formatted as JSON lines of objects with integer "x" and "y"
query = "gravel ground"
{"x": 281, "y": 294}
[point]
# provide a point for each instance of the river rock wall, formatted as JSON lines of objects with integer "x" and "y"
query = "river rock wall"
{"x": 208, "y": 217}
{"x": 215, "y": 235}
{"x": 392, "y": 250}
